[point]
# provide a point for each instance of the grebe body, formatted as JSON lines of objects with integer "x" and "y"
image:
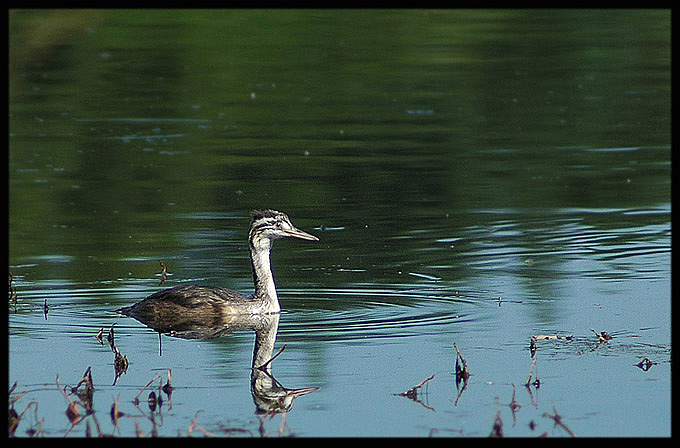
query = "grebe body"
{"x": 204, "y": 301}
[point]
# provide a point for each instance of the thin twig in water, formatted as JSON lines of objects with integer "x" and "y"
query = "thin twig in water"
{"x": 462, "y": 373}
{"x": 197, "y": 426}
{"x": 163, "y": 273}
{"x": 167, "y": 388}
{"x": 514, "y": 404}
{"x": 110, "y": 338}
{"x": 135, "y": 400}
{"x": 557, "y": 418}
{"x": 115, "y": 412}
{"x": 532, "y": 346}
{"x": 412, "y": 393}
{"x": 497, "y": 428}
{"x": 531, "y": 372}
{"x": 422, "y": 382}
{"x": 263, "y": 367}
{"x": 603, "y": 337}
{"x": 15, "y": 418}
{"x": 72, "y": 412}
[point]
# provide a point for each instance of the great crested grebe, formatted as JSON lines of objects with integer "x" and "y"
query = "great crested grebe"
{"x": 203, "y": 301}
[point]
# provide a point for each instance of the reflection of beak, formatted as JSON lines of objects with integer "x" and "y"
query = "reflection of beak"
{"x": 299, "y": 392}
{"x": 297, "y": 233}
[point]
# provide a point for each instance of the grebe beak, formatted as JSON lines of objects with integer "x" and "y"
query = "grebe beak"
{"x": 297, "y": 233}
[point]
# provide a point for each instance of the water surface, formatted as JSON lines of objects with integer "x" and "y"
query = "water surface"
{"x": 475, "y": 178}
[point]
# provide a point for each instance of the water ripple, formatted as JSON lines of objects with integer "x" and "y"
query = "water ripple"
{"x": 358, "y": 313}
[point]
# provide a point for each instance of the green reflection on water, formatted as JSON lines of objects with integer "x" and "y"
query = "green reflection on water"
{"x": 378, "y": 121}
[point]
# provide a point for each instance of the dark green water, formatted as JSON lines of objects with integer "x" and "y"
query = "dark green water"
{"x": 444, "y": 158}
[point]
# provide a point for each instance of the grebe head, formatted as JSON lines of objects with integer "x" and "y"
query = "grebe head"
{"x": 269, "y": 225}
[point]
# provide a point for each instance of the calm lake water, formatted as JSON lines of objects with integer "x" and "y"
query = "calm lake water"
{"x": 475, "y": 178}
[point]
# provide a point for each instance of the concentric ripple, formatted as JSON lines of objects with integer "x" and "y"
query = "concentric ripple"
{"x": 350, "y": 314}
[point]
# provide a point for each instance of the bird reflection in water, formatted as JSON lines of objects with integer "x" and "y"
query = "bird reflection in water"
{"x": 269, "y": 396}
{"x": 205, "y": 312}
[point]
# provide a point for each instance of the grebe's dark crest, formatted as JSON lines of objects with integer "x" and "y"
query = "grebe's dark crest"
{"x": 202, "y": 301}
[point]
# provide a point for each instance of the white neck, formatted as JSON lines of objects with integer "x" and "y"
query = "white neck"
{"x": 265, "y": 288}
